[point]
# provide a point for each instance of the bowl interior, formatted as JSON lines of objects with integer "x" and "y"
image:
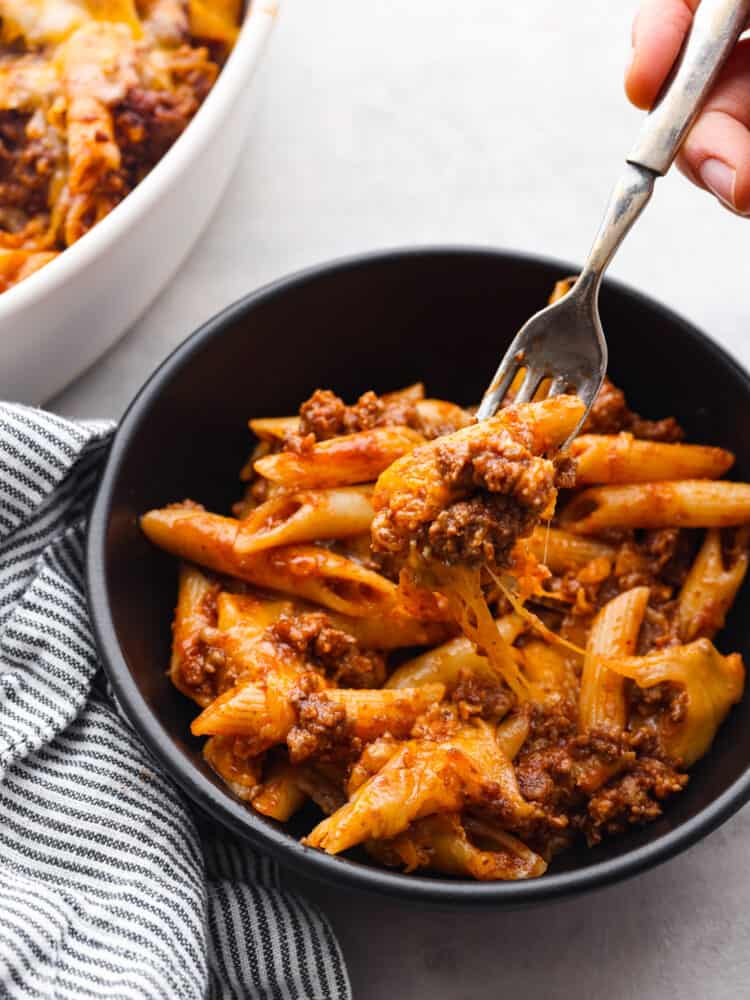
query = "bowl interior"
{"x": 443, "y": 317}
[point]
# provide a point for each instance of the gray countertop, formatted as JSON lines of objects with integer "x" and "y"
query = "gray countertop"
{"x": 389, "y": 123}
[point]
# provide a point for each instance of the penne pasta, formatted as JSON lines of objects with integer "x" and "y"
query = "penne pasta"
{"x": 561, "y": 289}
{"x": 562, "y": 551}
{"x": 97, "y": 59}
{"x": 258, "y": 709}
{"x": 711, "y": 586}
{"x": 686, "y": 504}
{"x": 392, "y": 631}
{"x": 279, "y": 795}
{"x": 241, "y": 641}
{"x": 374, "y": 757}
{"x": 443, "y": 843}
{"x": 422, "y": 778}
{"x": 622, "y": 458}
{"x": 512, "y": 733}
{"x": 613, "y": 634}
{"x": 304, "y": 571}
{"x": 711, "y": 683}
{"x": 306, "y": 516}
{"x": 551, "y": 671}
{"x": 445, "y": 664}
{"x": 15, "y": 265}
{"x": 282, "y": 708}
{"x": 274, "y": 429}
{"x": 251, "y": 614}
{"x": 370, "y": 714}
{"x": 240, "y": 772}
{"x": 437, "y": 417}
{"x": 409, "y": 394}
{"x": 340, "y": 461}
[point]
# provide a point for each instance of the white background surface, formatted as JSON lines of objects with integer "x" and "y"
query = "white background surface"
{"x": 385, "y": 123}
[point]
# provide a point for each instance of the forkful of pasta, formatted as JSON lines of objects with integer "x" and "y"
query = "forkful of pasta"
{"x": 563, "y": 346}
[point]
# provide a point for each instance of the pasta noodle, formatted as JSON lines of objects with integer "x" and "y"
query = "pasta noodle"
{"x": 441, "y": 843}
{"x": 399, "y": 629}
{"x": 562, "y": 551}
{"x": 613, "y": 633}
{"x": 306, "y": 516}
{"x": 445, "y": 664}
{"x": 622, "y": 458}
{"x": 342, "y": 461}
{"x": 711, "y": 586}
{"x": 685, "y": 504}
{"x": 308, "y": 572}
{"x": 711, "y": 684}
{"x": 279, "y": 795}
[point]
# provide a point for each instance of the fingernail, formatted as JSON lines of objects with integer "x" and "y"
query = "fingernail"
{"x": 719, "y": 179}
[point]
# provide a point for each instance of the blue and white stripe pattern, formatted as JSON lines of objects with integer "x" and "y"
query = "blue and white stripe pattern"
{"x": 108, "y": 888}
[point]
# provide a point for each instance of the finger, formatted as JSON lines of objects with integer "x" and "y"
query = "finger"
{"x": 716, "y": 153}
{"x": 716, "y": 157}
{"x": 658, "y": 33}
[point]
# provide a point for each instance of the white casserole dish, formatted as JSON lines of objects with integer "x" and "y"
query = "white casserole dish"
{"x": 58, "y": 321}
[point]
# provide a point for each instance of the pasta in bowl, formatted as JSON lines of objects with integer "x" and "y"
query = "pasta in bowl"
{"x": 396, "y": 321}
{"x": 92, "y": 94}
{"x": 106, "y": 104}
{"x": 468, "y": 650}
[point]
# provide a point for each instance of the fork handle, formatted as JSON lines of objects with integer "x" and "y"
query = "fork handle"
{"x": 717, "y": 25}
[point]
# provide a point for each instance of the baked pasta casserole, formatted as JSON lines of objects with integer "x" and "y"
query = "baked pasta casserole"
{"x": 468, "y": 649}
{"x": 92, "y": 94}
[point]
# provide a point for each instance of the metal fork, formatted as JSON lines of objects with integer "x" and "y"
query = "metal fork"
{"x": 565, "y": 342}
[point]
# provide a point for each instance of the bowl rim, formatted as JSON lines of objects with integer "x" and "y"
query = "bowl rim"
{"x": 242, "y": 60}
{"x": 232, "y": 813}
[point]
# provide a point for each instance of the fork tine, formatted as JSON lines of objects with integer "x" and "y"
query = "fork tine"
{"x": 499, "y": 386}
{"x": 531, "y": 381}
{"x": 589, "y": 389}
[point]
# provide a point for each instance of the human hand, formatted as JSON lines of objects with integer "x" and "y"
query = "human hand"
{"x": 716, "y": 154}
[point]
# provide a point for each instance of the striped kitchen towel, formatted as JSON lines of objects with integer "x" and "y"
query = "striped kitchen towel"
{"x": 108, "y": 888}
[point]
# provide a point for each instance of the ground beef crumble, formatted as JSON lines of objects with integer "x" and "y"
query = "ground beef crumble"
{"x": 325, "y": 415}
{"x": 147, "y": 123}
{"x": 475, "y": 696}
{"x": 658, "y": 559}
{"x": 601, "y": 781}
{"x": 333, "y": 651}
{"x": 517, "y": 488}
{"x": 485, "y": 527}
{"x": 632, "y": 799}
{"x": 666, "y": 699}
{"x": 321, "y": 728}
{"x": 27, "y": 166}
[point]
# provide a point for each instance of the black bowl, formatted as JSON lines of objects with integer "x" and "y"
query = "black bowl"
{"x": 380, "y": 321}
